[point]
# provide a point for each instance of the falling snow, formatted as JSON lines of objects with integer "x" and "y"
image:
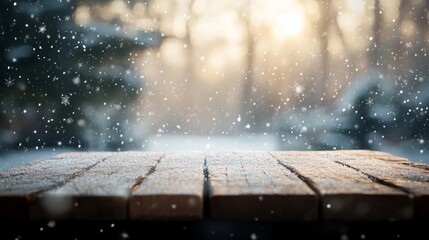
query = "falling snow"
{"x": 369, "y": 101}
{"x": 76, "y": 80}
{"x": 206, "y": 75}
{"x": 9, "y": 82}
{"x": 42, "y": 29}
{"x": 65, "y": 100}
{"x": 124, "y": 235}
{"x": 409, "y": 45}
{"x": 253, "y": 236}
{"x": 51, "y": 224}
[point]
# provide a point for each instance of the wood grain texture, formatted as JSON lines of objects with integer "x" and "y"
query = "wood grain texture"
{"x": 101, "y": 193}
{"x": 347, "y": 194}
{"x": 413, "y": 178}
{"x": 173, "y": 191}
{"x": 367, "y": 153}
{"x": 21, "y": 185}
{"x": 350, "y": 185}
{"x": 253, "y": 186}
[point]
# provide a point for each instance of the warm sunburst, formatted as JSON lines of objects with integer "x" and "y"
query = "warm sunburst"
{"x": 289, "y": 24}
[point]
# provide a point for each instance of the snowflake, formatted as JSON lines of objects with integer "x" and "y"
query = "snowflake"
{"x": 298, "y": 89}
{"x": 9, "y": 82}
{"x": 42, "y": 29}
{"x": 124, "y": 235}
{"x": 65, "y": 100}
{"x": 253, "y": 236}
{"x": 369, "y": 101}
{"x": 409, "y": 45}
{"x": 117, "y": 106}
{"x": 76, "y": 80}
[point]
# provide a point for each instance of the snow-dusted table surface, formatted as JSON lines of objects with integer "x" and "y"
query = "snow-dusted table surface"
{"x": 244, "y": 186}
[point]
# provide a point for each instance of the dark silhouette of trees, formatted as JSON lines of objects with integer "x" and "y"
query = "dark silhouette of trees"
{"x": 63, "y": 75}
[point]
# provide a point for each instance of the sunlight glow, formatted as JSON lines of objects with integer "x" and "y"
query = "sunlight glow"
{"x": 356, "y": 6}
{"x": 289, "y": 25}
{"x": 82, "y": 15}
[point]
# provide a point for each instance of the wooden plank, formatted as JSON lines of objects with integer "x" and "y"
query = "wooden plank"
{"x": 347, "y": 194}
{"x": 254, "y": 186}
{"x": 367, "y": 153}
{"x": 20, "y": 185}
{"x": 414, "y": 178}
{"x": 174, "y": 191}
{"x": 101, "y": 193}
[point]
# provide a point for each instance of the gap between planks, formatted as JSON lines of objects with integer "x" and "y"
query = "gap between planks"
{"x": 16, "y": 202}
{"x": 344, "y": 193}
{"x": 229, "y": 207}
{"x": 102, "y": 193}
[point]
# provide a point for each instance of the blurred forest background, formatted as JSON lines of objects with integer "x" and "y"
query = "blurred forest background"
{"x": 316, "y": 74}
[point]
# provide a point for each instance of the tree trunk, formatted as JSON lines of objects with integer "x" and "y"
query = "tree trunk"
{"x": 247, "y": 109}
{"x": 421, "y": 62}
{"x": 376, "y": 51}
{"x": 321, "y": 87}
{"x": 189, "y": 85}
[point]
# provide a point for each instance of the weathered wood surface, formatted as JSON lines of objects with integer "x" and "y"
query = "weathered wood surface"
{"x": 101, "y": 193}
{"x": 347, "y": 194}
{"x": 251, "y": 186}
{"x": 173, "y": 191}
{"x": 411, "y": 178}
{"x": 369, "y": 154}
{"x": 256, "y": 187}
{"x": 21, "y": 185}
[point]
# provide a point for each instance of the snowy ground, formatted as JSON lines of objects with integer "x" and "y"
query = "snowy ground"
{"x": 212, "y": 143}
{"x": 198, "y": 143}
{"x": 414, "y": 152}
{"x": 19, "y": 157}
{"x": 161, "y": 143}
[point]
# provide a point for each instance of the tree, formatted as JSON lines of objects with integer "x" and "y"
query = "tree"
{"x": 70, "y": 76}
{"x": 422, "y": 60}
{"x": 324, "y": 23}
{"x": 376, "y": 54}
{"x": 247, "y": 110}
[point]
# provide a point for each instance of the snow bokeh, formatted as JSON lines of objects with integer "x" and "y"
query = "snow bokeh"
{"x": 213, "y": 75}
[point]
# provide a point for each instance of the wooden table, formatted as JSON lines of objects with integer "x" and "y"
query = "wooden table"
{"x": 227, "y": 186}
